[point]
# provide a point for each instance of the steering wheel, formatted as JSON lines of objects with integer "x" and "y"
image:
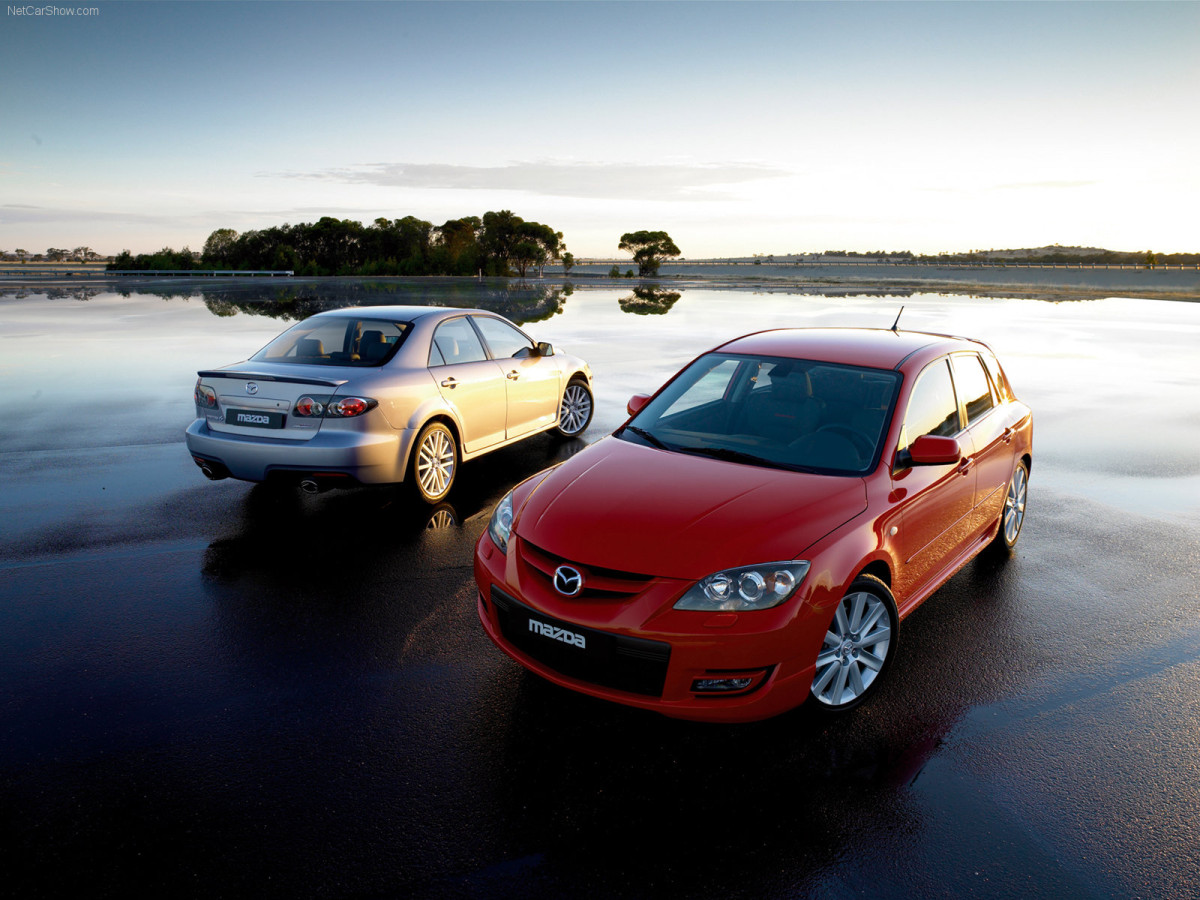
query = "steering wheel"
{"x": 865, "y": 448}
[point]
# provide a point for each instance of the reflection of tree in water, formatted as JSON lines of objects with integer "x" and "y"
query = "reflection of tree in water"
{"x": 521, "y": 303}
{"x": 53, "y": 293}
{"x": 649, "y": 301}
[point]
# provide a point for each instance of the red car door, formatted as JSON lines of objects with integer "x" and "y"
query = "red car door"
{"x": 990, "y": 435}
{"x": 935, "y": 501}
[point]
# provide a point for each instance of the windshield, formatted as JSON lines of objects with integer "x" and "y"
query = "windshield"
{"x": 785, "y": 413}
{"x": 336, "y": 341}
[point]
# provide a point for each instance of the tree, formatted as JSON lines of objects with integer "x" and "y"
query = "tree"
{"x": 538, "y": 245}
{"x": 649, "y": 249}
{"x": 218, "y": 249}
{"x": 456, "y": 249}
{"x": 568, "y": 263}
{"x": 508, "y": 239}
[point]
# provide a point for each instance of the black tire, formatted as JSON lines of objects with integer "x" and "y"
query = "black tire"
{"x": 575, "y": 409}
{"x": 853, "y": 660}
{"x": 434, "y": 462}
{"x": 1012, "y": 516}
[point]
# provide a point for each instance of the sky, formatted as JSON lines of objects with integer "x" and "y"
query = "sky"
{"x": 739, "y": 127}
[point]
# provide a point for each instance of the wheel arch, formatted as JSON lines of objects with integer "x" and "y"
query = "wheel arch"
{"x": 879, "y": 569}
{"x": 440, "y": 416}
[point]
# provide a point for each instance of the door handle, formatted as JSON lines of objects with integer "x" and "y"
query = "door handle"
{"x": 513, "y": 375}
{"x": 1008, "y": 435}
{"x": 965, "y": 465}
{"x": 450, "y": 382}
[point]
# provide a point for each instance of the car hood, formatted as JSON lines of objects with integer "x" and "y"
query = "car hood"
{"x": 623, "y": 506}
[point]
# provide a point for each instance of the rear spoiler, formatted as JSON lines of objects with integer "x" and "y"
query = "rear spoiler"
{"x": 254, "y": 376}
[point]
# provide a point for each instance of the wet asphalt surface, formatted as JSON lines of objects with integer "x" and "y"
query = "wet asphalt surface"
{"x": 218, "y": 689}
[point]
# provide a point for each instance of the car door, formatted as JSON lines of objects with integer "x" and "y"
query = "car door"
{"x": 935, "y": 501}
{"x": 470, "y": 382}
{"x": 532, "y": 388}
{"x": 990, "y": 435}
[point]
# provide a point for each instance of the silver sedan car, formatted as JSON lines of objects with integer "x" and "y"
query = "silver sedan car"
{"x": 385, "y": 394}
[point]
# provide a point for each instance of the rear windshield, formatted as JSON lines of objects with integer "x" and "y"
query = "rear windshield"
{"x": 336, "y": 341}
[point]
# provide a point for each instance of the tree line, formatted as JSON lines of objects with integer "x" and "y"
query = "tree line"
{"x": 498, "y": 243}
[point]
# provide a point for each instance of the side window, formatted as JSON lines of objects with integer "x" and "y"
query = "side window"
{"x": 502, "y": 339}
{"x": 932, "y": 408}
{"x": 973, "y": 386}
{"x": 998, "y": 381}
{"x": 457, "y": 342}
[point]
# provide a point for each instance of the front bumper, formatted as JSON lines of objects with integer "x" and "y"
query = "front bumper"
{"x": 651, "y": 669}
{"x": 368, "y": 457}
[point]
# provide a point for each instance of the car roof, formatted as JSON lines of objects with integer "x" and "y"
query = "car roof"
{"x": 398, "y": 313}
{"x": 876, "y": 348}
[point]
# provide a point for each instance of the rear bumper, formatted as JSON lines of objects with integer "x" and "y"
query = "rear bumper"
{"x": 368, "y": 457}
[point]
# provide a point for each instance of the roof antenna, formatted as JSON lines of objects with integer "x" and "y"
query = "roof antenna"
{"x": 898, "y": 315}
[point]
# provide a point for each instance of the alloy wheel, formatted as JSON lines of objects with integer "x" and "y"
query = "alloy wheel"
{"x": 855, "y": 649}
{"x": 576, "y": 409}
{"x": 1014, "y": 505}
{"x": 435, "y": 463}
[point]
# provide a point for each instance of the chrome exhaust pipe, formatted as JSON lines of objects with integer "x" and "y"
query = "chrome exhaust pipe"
{"x": 212, "y": 474}
{"x": 310, "y": 486}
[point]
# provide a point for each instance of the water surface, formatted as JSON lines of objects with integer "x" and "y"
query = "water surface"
{"x": 1113, "y": 382}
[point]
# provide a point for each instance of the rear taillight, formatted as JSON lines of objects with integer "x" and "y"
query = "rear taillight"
{"x": 205, "y": 396}
{"x": 309, "y": 407}
{"x": 349, "y": 406}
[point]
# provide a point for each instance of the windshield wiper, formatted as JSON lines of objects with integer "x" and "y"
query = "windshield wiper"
{"x": 643, "y": 433}
{"x": 730, "y": 455}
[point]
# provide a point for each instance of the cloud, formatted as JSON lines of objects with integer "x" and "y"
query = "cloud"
{"x": 590, "y": 180}
{"x": 21, "y": 214}
{"x": 1014, "y": 186}
{"x": 1044, "y": 185}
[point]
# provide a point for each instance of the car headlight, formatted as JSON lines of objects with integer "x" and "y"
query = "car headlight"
{"x": 500, "y": 526}
{"x": 745, "y": 588}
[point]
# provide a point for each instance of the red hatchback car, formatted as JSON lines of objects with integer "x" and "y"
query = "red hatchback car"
{"x": 754, "y": 534}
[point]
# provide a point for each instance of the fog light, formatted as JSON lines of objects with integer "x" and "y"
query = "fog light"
{"x": 729, "y": 682}
{"x": 720, "y": 685}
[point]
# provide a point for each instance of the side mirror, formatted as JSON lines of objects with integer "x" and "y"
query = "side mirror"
{"x": 933, "y": 450}
{"x": 545, "y": 349}
{"x": 636, "y": 402}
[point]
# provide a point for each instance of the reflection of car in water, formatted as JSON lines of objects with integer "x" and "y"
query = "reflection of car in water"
{"x": 384, "y": 394}
{"x": 758, "y": 529}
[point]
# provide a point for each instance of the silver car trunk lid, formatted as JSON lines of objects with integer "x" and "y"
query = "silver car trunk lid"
{"x": 261, "y": 403}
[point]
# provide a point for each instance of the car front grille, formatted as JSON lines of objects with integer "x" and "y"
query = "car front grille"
{"x": 598, "y": 583}
{"x": 634, "y": 665}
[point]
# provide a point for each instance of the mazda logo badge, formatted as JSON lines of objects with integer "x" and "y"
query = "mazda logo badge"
{"x": 568, "y": 581}
{"x": 251, "y": 387}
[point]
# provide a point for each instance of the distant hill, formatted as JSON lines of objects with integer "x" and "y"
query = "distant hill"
{"x": 1054, "y": 253}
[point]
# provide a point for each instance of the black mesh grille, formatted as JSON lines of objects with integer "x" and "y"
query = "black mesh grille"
{"x": 636, "y": 665}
